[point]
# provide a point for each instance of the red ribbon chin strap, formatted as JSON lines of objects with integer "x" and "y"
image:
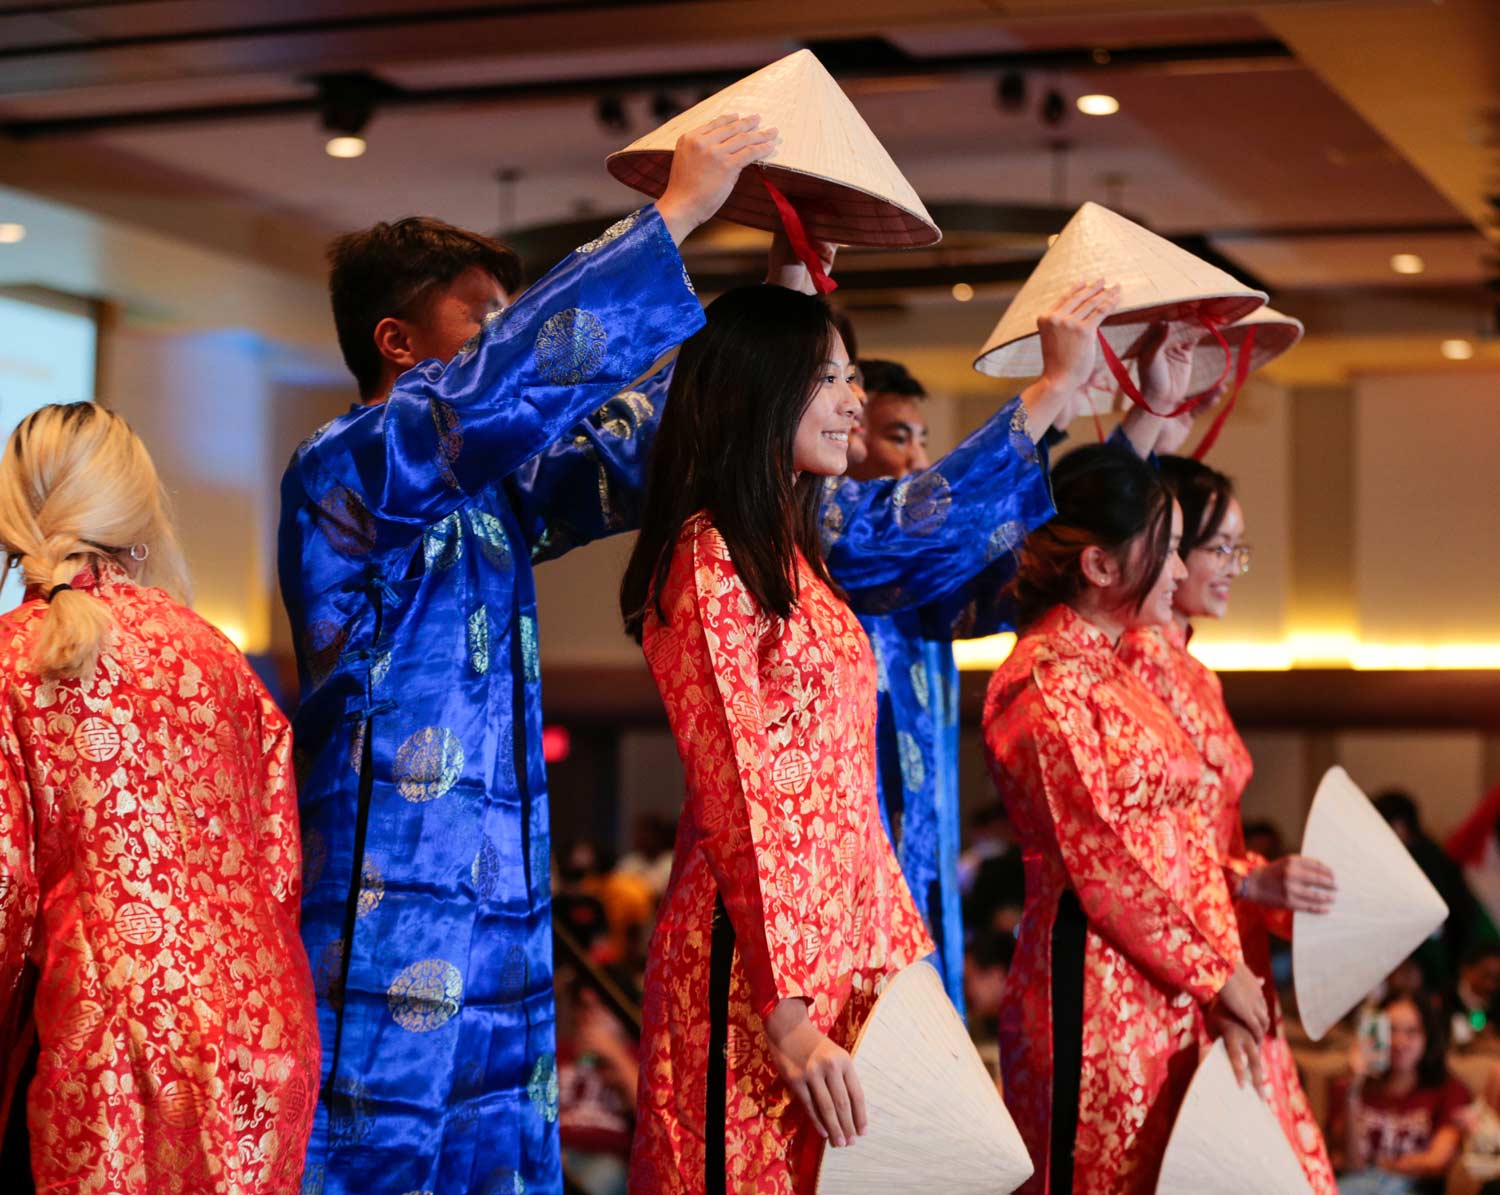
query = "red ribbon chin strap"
{"x": 1127, "y": 383}
{"x": 1241, "y": 372}
{"x": 796, "y": 235}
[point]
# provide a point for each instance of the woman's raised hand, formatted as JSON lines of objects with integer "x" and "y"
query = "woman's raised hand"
{"x": 705, "y": 166}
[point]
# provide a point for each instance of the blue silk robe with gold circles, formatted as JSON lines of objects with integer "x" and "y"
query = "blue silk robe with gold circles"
{"x": 926, "y": 560}
{"x": 408, "y": 534}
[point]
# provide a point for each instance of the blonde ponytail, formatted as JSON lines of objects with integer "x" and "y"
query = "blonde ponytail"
{"x": 77, "y": 485}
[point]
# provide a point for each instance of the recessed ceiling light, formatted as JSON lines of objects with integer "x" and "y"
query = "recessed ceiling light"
{"x": 1407, "y": 263}
{"x": 345, "y": 147}
{"x": 963, "y": 292}
{"x": 1098, "y": 105}
{"x": 1458, "y": 350}
{"x": 11, "y": 233}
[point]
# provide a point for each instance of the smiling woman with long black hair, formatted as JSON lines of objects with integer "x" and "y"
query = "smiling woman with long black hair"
{"x": 786, "y": 905}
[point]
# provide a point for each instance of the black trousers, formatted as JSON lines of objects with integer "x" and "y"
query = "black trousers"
{"x": 1069, "y": 933}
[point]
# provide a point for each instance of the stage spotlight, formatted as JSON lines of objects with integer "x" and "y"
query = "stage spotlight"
{"x": 347, "y": 101}
{"x": 1098, "y": 105}
{"x": 10, "y": 234}
{"x": 1457, "y": 349}
{"x": 963, "y": 292}
{"x": 345, "y": 147}
{"x": 1407, "y": 263}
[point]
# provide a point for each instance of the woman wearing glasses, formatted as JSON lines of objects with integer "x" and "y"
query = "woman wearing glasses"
{"x": 1214, "y": 553}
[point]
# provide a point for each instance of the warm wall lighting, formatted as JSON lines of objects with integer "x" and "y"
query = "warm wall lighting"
{"x": 963, "y": 292}
{"x": 1325, "y": 650}
{"x": 1458, "y": 350}
{"x": 1098, "y": 105}
{"x": 11, "y": 233}
{"x": 1407, "y": 263}
{"x": 345, "y": 147}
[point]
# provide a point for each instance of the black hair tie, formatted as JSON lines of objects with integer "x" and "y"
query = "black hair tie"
{"x": 57, "y": 589}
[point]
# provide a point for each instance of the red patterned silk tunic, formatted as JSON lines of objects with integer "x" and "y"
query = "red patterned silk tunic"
{"x": 148, "y": 824}
{"x": 1159, "y": 656}
{"x": 775, "y": 724}
{"x": 1100, "y": 783}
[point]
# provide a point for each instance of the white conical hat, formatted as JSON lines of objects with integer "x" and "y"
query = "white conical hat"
{"x": 1158, "y": 281}
{"x": 1275, "y": 333}
{"x": 1227, "y": 1141}
{"x": 837, "y": 175}
{"x": 936, "y": 1120}
{"x": 1383, "y": 910}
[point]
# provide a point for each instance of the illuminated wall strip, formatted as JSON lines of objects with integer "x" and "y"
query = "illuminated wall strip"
{"x": 1295, "y": 651}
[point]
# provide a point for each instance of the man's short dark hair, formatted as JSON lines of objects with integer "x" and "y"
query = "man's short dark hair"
{"x": 890, "y": 378}
{"x": 1396, "y": 805}
{"x": 391, "y": 270}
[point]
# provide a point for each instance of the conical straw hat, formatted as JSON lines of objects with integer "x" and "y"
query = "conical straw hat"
{"x": 829, "y": 164}
{"x": 1384, "y": 908}
{"x": 1274, "y": 334}
{"x": 1227, "y": 1141}
{"x": 936, "y": 1121}
{"x": 1158, "y": 281}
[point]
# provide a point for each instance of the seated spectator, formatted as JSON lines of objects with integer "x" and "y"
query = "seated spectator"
{"x": 650, "y": 855}
{"x": 1397, "y": 1129}
{"x": 1440, "y": 957}
{"x": 991, "y": 875}
{"x": 576, "y": 906}
{"x": 986, "y": 967}
{"x": 1263, "y": 838}
{"x": 1473, "y": 999}
{"x": 598, "y": 1060}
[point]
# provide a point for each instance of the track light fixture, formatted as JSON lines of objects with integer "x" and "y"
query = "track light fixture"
{"x": 1054, "y": 108}
{"x": 611, "y": 115}
{"x": 1010, "y": 92}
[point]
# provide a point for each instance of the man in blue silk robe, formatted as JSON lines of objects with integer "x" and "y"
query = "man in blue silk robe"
{"x": 409, "y": 529}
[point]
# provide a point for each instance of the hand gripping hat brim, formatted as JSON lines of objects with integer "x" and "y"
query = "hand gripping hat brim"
{"x": 936, "y": 1121}
{"x": 1227, "y": 1140}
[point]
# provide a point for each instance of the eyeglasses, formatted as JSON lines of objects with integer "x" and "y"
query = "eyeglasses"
{"x": 1230, "y": 558}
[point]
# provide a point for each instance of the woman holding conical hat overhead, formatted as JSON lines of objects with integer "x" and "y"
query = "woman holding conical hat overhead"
{"x": 1214, "y": 553}
{"x": 149, "y": 860}
{"x": 1127, "y": 929}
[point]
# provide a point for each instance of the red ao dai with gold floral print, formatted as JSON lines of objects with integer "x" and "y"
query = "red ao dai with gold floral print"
{"x": 1159, "y": 656}
{"x": 150, "y": 871}
{"x": 1101, "y": 784}
{"x": 775, "y": 723}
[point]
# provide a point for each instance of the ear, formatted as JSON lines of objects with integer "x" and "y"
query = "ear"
{"x": 1099, "y": 567}
{"x": 393, "y": 341}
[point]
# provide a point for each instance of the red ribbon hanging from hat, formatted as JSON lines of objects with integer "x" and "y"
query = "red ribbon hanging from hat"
{"x": 1133, "y": 392}
{"x": 797, "y": 236}
{"x": 1241, "y": 372}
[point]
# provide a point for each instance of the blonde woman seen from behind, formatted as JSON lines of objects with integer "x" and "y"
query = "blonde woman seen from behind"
{"x": 149, "y": 857}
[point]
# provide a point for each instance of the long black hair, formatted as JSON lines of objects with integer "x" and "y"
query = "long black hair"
{"x": 1204, "y": 495}
{"x": 725, "y": 446}
{"x": 1106, "y": 497}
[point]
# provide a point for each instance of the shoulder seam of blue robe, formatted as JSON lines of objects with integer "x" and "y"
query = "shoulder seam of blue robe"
{"x": 407, "y": 538}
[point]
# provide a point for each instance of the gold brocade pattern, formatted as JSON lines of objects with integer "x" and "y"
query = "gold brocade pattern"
{"x": 150, "y": 867}
{"x": 428, "y": 763}
{"x": 450, "y": 432}
{"x": 613, "y": 233}
{"x": 477, "y": 632}
{"x": 570, "y": 347}
{"x": 346, "y": 523}
{"x": 426, "y": 995}
{"x": 921, "y": 503}
{"x": 489, "y": 532}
